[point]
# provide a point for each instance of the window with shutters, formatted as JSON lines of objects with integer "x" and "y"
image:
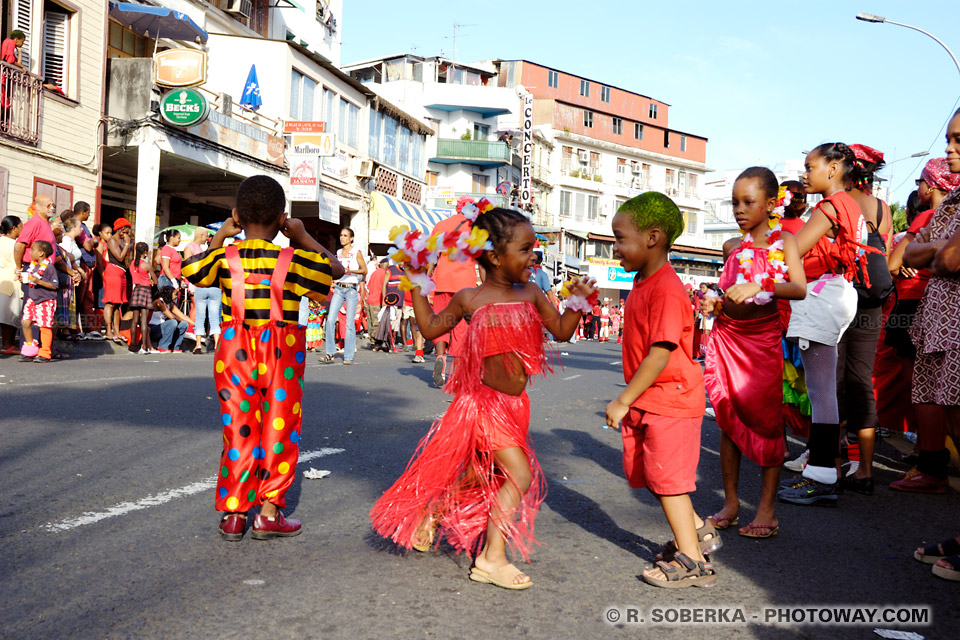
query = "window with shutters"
{"x": 61, "y": 194}
{"x": 55, "y": 64}
{"x": 22, "y": 21}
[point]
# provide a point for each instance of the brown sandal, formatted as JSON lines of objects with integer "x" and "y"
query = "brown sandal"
{"x": 681, "y": 572}
{"x": 707, "y": 536}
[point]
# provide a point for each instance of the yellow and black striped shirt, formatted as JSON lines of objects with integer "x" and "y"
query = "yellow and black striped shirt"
{"x": 309, "y": 275}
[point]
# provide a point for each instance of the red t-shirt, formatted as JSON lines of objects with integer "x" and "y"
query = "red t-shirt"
{"x": 449, "y": 275}
{"x": 169, "y": 252}
{"x": 913, "y": 288}
{"x": 8, "y": 51}
{"x": 141, "y": 273}
{"x": 36, "y": 228}
{"x": 375, "y": 287}
{"x": 658, "y": 310}
{"x": 792, "y": 225}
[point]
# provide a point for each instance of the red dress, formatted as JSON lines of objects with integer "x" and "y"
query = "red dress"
{"x": 452, "y": 476}
{"x": 743, "y": 374}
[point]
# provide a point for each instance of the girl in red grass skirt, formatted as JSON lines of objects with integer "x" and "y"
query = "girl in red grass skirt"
{"x": 474, "y": 478}
{"x": 744, "y": 362}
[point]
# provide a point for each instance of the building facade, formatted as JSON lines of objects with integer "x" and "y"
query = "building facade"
{"x": 50, "y": 124}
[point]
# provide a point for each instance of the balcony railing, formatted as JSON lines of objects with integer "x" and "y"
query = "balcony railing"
{"x": 466, "y": 150}
{"x": 20, "y": 99}
{"x": 448, "y": 202}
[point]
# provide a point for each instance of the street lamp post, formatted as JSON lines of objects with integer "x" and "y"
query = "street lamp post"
{"x": 869, "y": 17}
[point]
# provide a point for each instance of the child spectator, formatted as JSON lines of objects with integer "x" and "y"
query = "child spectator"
{"x": 663, "y": 404}
{"x": 41, "y": 280}
{"x": 140, "y": 299}
{"x": 262, "y": 285}
{"x": 744, "y": 360}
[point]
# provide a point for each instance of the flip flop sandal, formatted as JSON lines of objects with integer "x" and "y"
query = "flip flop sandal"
{"x": 932, "y": 553}
{"x": 720, "y": 522}
{"x": 501, "y": 576}
{"x": 759, "y": 530}
{"x": 326, "y": 359}
{"x": 425, "y": 537}
{"x": 681, "y": 572}
{"x": 949, "y": 574}
{"x": 707, "y": 536}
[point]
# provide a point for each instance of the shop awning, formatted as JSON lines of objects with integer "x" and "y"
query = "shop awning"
{"x": 388, "y": 211}
{"x": 157, "y": 22}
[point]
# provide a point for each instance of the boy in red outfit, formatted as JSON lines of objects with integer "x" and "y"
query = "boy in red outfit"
{"x": 260, "y": 359}
{"x": 662, "y": 406}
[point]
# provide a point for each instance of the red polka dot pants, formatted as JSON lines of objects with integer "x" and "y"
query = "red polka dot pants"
{"x": 259, "y": 376}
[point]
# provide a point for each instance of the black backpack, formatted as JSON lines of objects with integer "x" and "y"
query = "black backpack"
{"x": 881, "y": 282}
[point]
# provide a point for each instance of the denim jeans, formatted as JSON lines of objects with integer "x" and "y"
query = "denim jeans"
{"x": 171, "y": 332}
{"x": 208, "y": 302}
{"x": 164, "y": 281}
{"x": 341, "y": 295}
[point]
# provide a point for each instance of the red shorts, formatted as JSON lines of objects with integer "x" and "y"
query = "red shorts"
{"x": 39, "y": 313}
{"x": 661, "y": 453}
{"x": 454, "y": 338}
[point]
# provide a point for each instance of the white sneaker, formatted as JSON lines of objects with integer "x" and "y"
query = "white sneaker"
{"x": 797, "y": 465}
{"x": 418, "y": 359}
{"x": 142, "y": 352}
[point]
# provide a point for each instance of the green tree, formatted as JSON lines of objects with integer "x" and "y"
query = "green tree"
{"x": 899, "y": 214}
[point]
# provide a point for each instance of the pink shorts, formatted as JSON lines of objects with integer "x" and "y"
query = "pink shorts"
{"x": 661, "y": 453}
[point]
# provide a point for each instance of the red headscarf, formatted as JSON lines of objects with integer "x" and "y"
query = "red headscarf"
{"x": 937, "y": 175}
{"x": 867, "y": 154}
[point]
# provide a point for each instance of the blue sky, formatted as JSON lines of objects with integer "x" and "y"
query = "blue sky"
{"x": 762, "y": 80}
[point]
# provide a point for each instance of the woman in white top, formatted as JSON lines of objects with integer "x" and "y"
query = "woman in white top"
{"x": 10, "y": 228}
{"x": 345, "y": 291}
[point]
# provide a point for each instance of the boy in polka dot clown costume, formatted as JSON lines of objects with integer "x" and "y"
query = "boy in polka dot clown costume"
{"x": 259, "y": 363}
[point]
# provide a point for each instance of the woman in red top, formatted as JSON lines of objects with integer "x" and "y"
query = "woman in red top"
{"x": 830, "y": 242}
{"x": 116, "y": 257}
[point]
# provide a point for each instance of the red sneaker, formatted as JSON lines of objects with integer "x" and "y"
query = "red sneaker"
{"x": 920, "y": 483}
{"x": 232, "y": 526}
{"x": 279, "y": 527}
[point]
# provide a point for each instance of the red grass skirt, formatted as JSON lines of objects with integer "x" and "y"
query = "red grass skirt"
{"x": 744, "y": 379}
{"x": 452, "y": 477}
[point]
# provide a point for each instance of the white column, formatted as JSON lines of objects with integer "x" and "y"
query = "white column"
{"x": 148, "y": 180}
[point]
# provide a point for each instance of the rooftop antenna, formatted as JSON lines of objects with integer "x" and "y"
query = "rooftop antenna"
{"x": 456, "y": 28}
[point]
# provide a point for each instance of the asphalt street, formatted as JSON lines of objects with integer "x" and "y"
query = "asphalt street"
{"x": 108, "y": 530}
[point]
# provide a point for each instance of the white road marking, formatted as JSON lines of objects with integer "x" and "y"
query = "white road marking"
{"x": 572, "y": 377}
{"x": 76, "y": 381}
{"x": 124, "y": 508}
{"x": 615, "y": 362}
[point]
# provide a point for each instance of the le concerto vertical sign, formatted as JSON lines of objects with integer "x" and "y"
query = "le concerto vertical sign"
{"x": 526, "y": 170}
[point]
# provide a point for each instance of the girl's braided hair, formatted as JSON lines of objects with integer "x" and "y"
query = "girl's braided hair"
{"x": 839, "y": 152}
{"x": 499, "y": 223}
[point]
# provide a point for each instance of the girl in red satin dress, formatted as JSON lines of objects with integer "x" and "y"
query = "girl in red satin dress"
{"x": 474, "y": 478}
{"x": 744, "y": 361}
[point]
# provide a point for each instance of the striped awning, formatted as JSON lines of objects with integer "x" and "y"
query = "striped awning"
{"x": 388, "y": 211}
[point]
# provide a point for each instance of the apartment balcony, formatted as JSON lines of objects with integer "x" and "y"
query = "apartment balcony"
{"x": 449, "y": 201}
{"x": 477, "y": 152}
{"x": 20, "y": 94}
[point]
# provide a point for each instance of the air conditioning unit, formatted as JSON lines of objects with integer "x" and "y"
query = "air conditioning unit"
{"x": 242, "y": 8}
{"x": 635, "y": 168}
{"x": 366, "y": 169}
{"x": 584, "y": 156}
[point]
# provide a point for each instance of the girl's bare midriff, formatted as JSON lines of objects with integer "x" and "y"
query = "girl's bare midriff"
{"x": 504, "y": 373}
